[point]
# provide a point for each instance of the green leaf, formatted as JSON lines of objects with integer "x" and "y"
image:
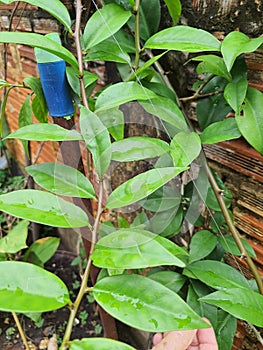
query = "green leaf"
{"x": 163, "y": 199}
{"x": 229, "y": 245}
{"x": 45, "y": 132}
{"x": 44, "y": 208}
{"x": 225, "y": 330}
{"x": 97, "y": 139}
{"x": 217, "y": 275}
{"x": 4, "y": 83}
{"x": 166, "y": 110}
{"x": 175, "y": 9}
{"x": 184, "y": 148}
{"x": 61, "y": 179}
{"x": 236, "y": 43}
{"x": 25, "y": 118}
{"x": 41, "y": 250}
{"x": 146, "y": 65}
{"x": 220, "y": 131}
{"x": 141, "y": 186}
{"x": 37, "y": 40}
{"x": 138, "y": 147}
{"x": 108, "y": 50}
{"x": 28, "y": 288}
{"x": 201, "y": 245}
{"x": 25, "y": 115}
{"x": 169, "y": 279}
{"x": 183, "y": 38}
{"x": 15, "y": 240}
{"x": 104, "y": 23}
{"x": 120, "y": 93}
{"x": 150, "y": 306}
{"x": 235, "y": 94}
{"x": 212, "y": 64}
{"x": 113, "y": 119}
{"x": 149, "y": 18}
{"x": 213, "y": 108}
{"x": 135, "y": 249}
{"x": 55, "y": 8}
{"x": 167, "y": 223}
{"x": 241, "y": 303}
{"x": 251, "y": 123}
{"x": 98, "y": 344}
{"x": 39, "y": 103}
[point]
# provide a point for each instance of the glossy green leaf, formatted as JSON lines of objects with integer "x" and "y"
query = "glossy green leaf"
{"x": 25, "y": 118}
{"x": 28, "y": 288}
{"x": 225, "y": 330}
{"x": 212, "y": 64}
{"x": 98, "y": 344}
{"x": 163, "y": 199}
{"x": 167, "y": 223}
{"x": 141, "y": 186}
{"x": 113, "y": 119}
{"x": 150, "y": 306}
{"x": 108, "y": 50}
{"x": 37, "y": 40}
{"x": 169, "y": 279}
{"x": 184, "y": 148}
{"x": 134, "y": 249}
{"x": 25, "y": 115}
{"x": 39, "y": 105}
{"x": 149, "y": 18}
{"x": 45, "y": 132}
{"x": 235, "y": 94}
{"x": 138, "y": 147}
{"x": 15, "y": 240}
{"x": 120, "y": 93}
{"x": 239, "y": 302}
{"x": 43, "y": 207}
{"x": 73, "y": 80}
{"x": 61, "y": 179}
{"x": 201, "y": 245}
{"x": 220, "y": 131}
{"x": 236, "y": 43}
{"x": 97, "y": 139}
{"x": 213, "y": 108}
{"x": 166, "y": 110}
{"x": 183, "y": 38}
{"x": 251, "y": 123}
{"x": 228, "y": 244}
{"x": 56, "y": 8}
{"x": 41, "y": 250}
{"x": 104, "y": 23}
{"x": 217, "y": 275}
{"x": 175, "y": 9}
{"x": 146, "y": 65}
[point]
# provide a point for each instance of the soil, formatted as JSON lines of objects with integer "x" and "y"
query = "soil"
{"x": 53, "y": 323}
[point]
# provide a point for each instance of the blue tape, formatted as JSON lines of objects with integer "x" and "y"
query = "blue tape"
{"x": 56, "y": 88}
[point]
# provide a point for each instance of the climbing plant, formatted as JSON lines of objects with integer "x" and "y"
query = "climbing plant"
{"x": 147, "y": 280}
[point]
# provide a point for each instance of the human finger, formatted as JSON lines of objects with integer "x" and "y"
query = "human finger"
{"x": 176, "y": 340}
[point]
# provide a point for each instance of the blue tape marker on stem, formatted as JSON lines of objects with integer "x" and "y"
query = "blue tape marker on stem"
{"x": 52, "y": 72}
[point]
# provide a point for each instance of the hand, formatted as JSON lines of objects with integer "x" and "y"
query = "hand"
{"x": 198, "y": 339}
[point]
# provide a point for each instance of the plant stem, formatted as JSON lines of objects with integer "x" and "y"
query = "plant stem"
{"x": 137, "y": 34}
{"x": 83, "y": 288}
{"x": 79, "y": 9}
{"x": 20, "y": 329}
{"x": 233, "y": 230}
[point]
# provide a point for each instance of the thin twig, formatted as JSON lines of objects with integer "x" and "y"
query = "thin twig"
{"x": 83, "y": 288}
{"x": 137, "y": 34}
{"x": 79, "y": 9}
{"x": 200, "y": 96}
{"x": 20, "y": 329}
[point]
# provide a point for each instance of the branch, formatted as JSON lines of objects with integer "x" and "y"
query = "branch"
{"x": 137, "y": 34}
